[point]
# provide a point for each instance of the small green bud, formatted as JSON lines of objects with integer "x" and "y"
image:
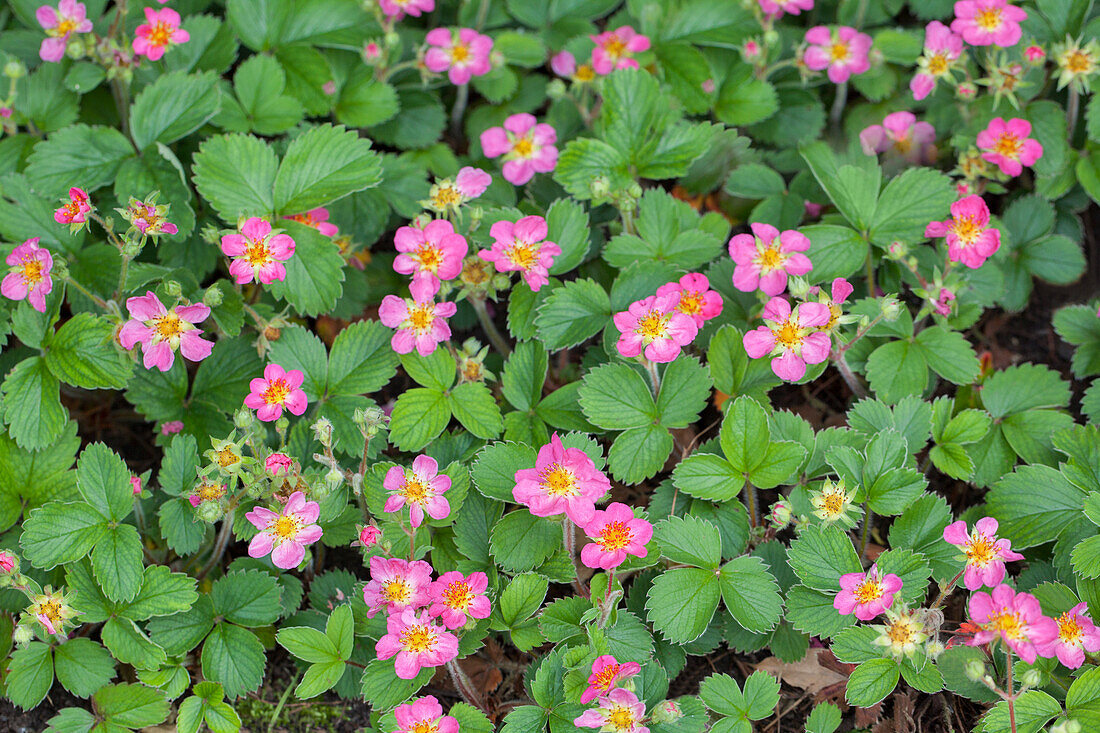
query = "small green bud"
{"x": 210, "y": 511}
{"x": 974, "y": 670}
{"x": 799, "y": 288}
{"x": 22, "y": 635}
{"x": 1031, "y": 678}
{"x": 212, "y": 297}
{"x": 891, "y": 308}
{"x": 334, "y": 478}
{"x": 15, "y": 70}
{"x": 1066, "y": 726}
{"x": 555, "y": 89}
{"x": 172, "y": 289}
{"x": 600, "y": 186}
{"x": 322, "y": 430}
{"x": 243, "y": 418}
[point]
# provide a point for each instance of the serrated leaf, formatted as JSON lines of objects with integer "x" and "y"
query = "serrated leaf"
{"x": 681, "y": 602}
{"x": 572, "y": 313}
{"x": 322, "y": 165}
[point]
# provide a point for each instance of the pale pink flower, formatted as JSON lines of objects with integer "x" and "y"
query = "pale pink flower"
{"x": 368, "y": 536}
{"x": 620, "y": 711}
{"x": 838, "y": 295}
{"x": 135, "y": 484}
{"x": 28, "y": 275}
{"x": 278, "y": 388}
{"x": 171, "y": 427}
{"x": 396, "y": 584}
{"x": 420, "y": 488}
{"x": 791, "y": 337}
{"x": 653, "y": 327}
{"x": 417, "y": 642}
{"x": 843, "y": 52}
{"x": 75, "y": 210}
{"x": 522, "y": 247}
{"x": 278, "y": 464}
{"x": 1013, "y": 617}
{"x": 901, "y": 133}
{"x": 1007, "y": 145}
{"x": 696, "y": 298}
{"x": 256, "y": 253}
{"x": 160, "y": 31}
{"x": 984, "y": 553}
{"x": 316, "y": 219}
{"x": 615, "y": 533}
{"x": 988, "y": 22}
{"x": 399, "y": 8}
{"x": 420, "y": 323}
{"x": 1069, "y": 637}
{"x": 526, "y": 144}
{"x": 777, "y": 8}
{"x": 942, "y": 49}
{"x": 708, "y": 86}
{"x": 455, "y": 596}
{"x": 564, "y": 64}
{"x": 430, "y": 255}
{"x": 607, "y": 673}
{"x": 286, "y": 534}
{"x": 564, "y": 480}
{"x": 462, "y": 54}
{"x": 60, "y": 23}
{"x": 866, "y": 594}
{"x": 329, "y": 89}
{"x": 471, "y": 182}
{"x": 766, "y": 257}
{"x": 615, "y": 49}
{"x": 162, "y": 331}
{"x": 424, "y": 715}
{"x": 970, "y": 238}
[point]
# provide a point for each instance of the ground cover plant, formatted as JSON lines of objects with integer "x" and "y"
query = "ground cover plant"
{"x": 648, "y": 367}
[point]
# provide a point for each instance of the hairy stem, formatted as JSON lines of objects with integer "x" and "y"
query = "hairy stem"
{"x": 224, "y": 534}
{"x": 569, "y": 535}
{"x": 751, "y": 503}
{"x": 865, "y": 530}
{"x": 465, "y": 686}
{"x": 461, "y": 98}
{"x": 839, "y": 101}
{"x": 1011, "y": 698}
{"x": 1071, "y": 111}
{"x": 849, "y": 376}
{"x": 495, "y": 337}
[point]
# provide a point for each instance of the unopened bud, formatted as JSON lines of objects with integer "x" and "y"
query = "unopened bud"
{"x": 667, "y": 712}
{"x": 22, "y": 635}
{"x": 15, "y": 70}
{"x": 780, "y": 514}
{"x": 966, "y": 90}
{"x": 974, "y": 670}
{"x": 322, "y": 430}
{"x": 212, "y": 297}
{"x": 1066, "y": 726}
{"x": 334, "y": 478}
{"x": 209, "y": 511}
{"x": 500, "y": 281}
{"x": 600, "y": 186}
{"x": 897, "y": 249}
{"x": 172, "y": 288}
{"x": 555, "y": 89}
{"x": 370, "y": 420}
{"x": 1031, "y": 678}
{"x": 242, "y": 418}
{"x": 891, "y": 308}
{"x": 798, "y": 288}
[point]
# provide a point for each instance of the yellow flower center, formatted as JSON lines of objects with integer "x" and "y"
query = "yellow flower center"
{"x": 459, "y": 53}
{"x": 458, "y": 595}
{"x": 421, "y": 318}
{"x": 72, "y": 208}
{"x": 652, "y": 326}
{"x": 305, "y": 218}
{"x": 418, "y": 639}
{"x": 168, "y": 326}
{"x": 226, "y": 457}
{"x": 415, "y": 490}
{"x": 276, "y": 393}
{"x": 471, "y": 371}
{"x": 834, "y": 315}
{"x": 690, "y": 303}
{"x": 1078, "y": 62}
{"x": 967, "y": 230}
{"x": 474, "y": 272}
{"x": 286, "y": 528}
{"x": 51, "y": 609}
{"x": 1009, "y": 624}
{"x": 606, "y": 676}
{"x": 615, "y": 536}
{"x": 584, "y": 73}
{"x": 1069, "y": 630}
{"x": 989, "y": 19}
{"x": 396, "y": 591}
{"x": 614, "y": 47}
{"x": 429, "y": 257}
{"x": 446, "y": 196}
{"x": 160, "y": 34}
{"x": 523, "y": 255}
{"x": 788, "y": 335}
{"x": 523, "y": 147}
{"x": 1008, "y": 145}
{"x": 832, "y": 503}
{"x": 838, "y": 51}
{"x": 65, "y": 26}
{"x": 901, "y": 632}
{"x": 937, "y": 65}
{"x": 869, "y": 590}
{"x": 257, "y": 253}
{"x": 559, "y": 481}
{"x": 770, "y": 258}
{"x": 981, "y": 551}
{"x": 620, "y": 718}
{"x": 32, "y": 272}
{"x": 210, "y": 492}
{"x": 424, "y": 726}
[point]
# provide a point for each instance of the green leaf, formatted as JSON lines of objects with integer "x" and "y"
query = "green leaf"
{"x": 825, "y": 718}
{"x": 1024, "y": 387}
{"x": 418, "y": 418}
{"x": 781, "y": 461}
{"x": 71, "y": 720}
{"x": 908, "y": 203}
{"x": 751, "y": 593}
{"x": 162, "y": 593}
{"x": 744, "y": 434}
{"x": 83, "y": 666}
{"x": 1029, "y": 522}
{"x": 435, "y": 371}
{"x": 685, "y": 69}
{"x": 1033, "y": 710}
{"x": 745, "y": 100}
{"x": 615, "y": 397}
{"x": 755, "y": 181}
{"x": 132, "y": 706}
{"x": 871, "y": 681}
{"x": 59, "y": 533}
{"x": 361, "y": 360}
{"x": 249, "y": 598}
{"x": 181, "y": 530}
{"x": 83, "y": 354}
{"x": 948, "y": 354}
{"x": 235, "y": 174}
{"x": 681, "y": 602}
{"x": 319, "y": 678}
{"x": 474, "y": 406}
{"x": 572, "y": 313}
{"x": 182, "y": 632}
{"x": 32, "y": 404}
{"x": 234, "y": 657}
{"x": 567, "y": 223}
{"x": 381, "y": 685}
{"x": 309, "y": 645}
{"x": 1078, "y": 325}
{"x": 689, "y": 540}
{"x": 639, "y": 453}
{"x": 340, "y": 627}
{"x": 587, "y": 158}
{"x": 260, "y": 82}
{"x": 836, "y": 251}
{"x": 366, "y": 101}
{"x": 494, "y": 470}
{"x": 853, "y": 187}
{"x": 117, "y": 562}
{"x": 173, "y": 106}
{"x": 314, "y": 275}
{"x": 521, "y": 542}
{"x": 90, "y": 155}
{"x": 707, "y": 476}
{"x": 721, "y": 694}
{"x": 685, "y": 386}
{"x": 30, "y": 675}
{"x": 522, "y": 598}
{"x": 1083, "y": 699}
{"x": 524, "y": 374}
{"x": 897, "y": 370}
{"x": 820, "y": 555}
{"x": 322, "y": 165}
{"x": 130, "y": 645}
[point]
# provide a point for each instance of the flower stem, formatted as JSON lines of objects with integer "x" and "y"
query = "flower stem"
{"x": 865, "y": 530}
{"x": 1011, "y": 698}
{"x": 220, "y": 544}
{"x": 654, "y": 378}
{"x": 282, "y": 701}
{"x": 569, "y": 535}
{"x": 88, "y": 293}
{"x": 1071, "y": 111}
{"x": 944, "y": 590}
{"x": 491, "y": 331}
{"x": 464, "y": 685}
{"x": 461, "y": 98}
{"x": 849, "y": 376}
{"x": 750, "y": 502}
{"x": 839, "y": 101}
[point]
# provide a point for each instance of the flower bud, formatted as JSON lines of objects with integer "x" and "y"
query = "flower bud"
{"x": 212, "y": 297}
{"x": 933, "y": 649}
{"x": 334, "y": 478}
{"x": 370, "y": 420}
{"x": 368, "y": 536}
{"x": 891, "y": 308}
{"x": 15, "y": 70}
{"x": 172, "y": 288}
{"x": 966, "y": 90}
{"x": 131, "y": 249}
{"x": 500, "y": 281}
{"x": 600, "y": 186}
{"x": 1066, "y": 726}
{"x": 751, "y": 50}
{"x": 22, "y": 635}
{"x": 974, "y": 670}
{"x": 897, "y": 250}
{"x": 278, "y": 463}
{"x": 667, "y": 712}
{"x": 322, "y": 430}
{"x": 243, "y": 418}
{"x": 798, "y": 287}
{"x": 392, "y": 40}
{"x": 1035, "y": 55}
{"x": 555, "y": 89}
{"x": 780, "y": 514}
{"x": 1031, "y": 678}
{"x": 209, "y": 511}
{"x": 9, "y": 564}
{"x": 282, "y": 424}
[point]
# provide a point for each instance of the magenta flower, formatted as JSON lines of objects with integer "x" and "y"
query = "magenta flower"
{"x": 60, "y": 23}
{"x": 135, "y": 485}
{"x": 417, "y": 642}
{"x": 399, "y": 8}
{"x": 942, "y": 49}
{"x": 1007, "y": 145}
{"x": 564, "y": 64}
{"x": 160, "y": 31}
{"x": 430, "y": 255}
{"x": 1069, "y": 637}
{"x": 526, "y": 144}
{"x": 843, "y": 52}
{"x": 256, "y": 253}
{"x": 278, "y": 388}
{"x": 76, "y": 210}
{"x": 838, "y": 295}
{"x": 472, "y": 182}
{"x": 420, "y": 323}
{"x": 615, "y": 49}
{"x": 171, "y": 427}
{"x": 984, "y": 553}
{"x": 654, "y": 327}
{"x": 286, "y": 534}
{"x": 777, "y": 8}
{"x": 791, "y": 337}
{"x": 278, "y": 464}
{"x": 943, "y": 302}
{"x": 368, "y": 536}
{"x": 1014, "y": 617}
{"x": 620, "y": 711}
{"x": 426, "y": 714}
{"x": 8, "y": 562}
{"x": 615, "y": 533}
{"x": 606, "y": 675}
{"x": 316, "y": 219}
{"x": 462, "y": 54}
{"x": 522, "y": 247}
{"x": 455, "y": 596}
{"x": 28, "y": 275}
{"x": 396, "y": 584}
{"x": 970, "y": 239}
{"x": 1035, "y": 54}
{"x": 162, "y": 332}
{"x": 766, "y": 257}
{"x": 901, "y": 133}
{"x": 696, "y": 298}
{"x": 564, "y": 480}
{"x": 420, "y": 487}
{"x": 866, "y": 594}
{"x": 988, "y": 22}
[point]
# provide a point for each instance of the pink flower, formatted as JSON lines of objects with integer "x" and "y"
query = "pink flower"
{"x": 171, "y": 427}
{"x": 278, "y": 464}
{"x": 472, "y": 182}
{"x": 843, "y": 52}
{"x": 28, "y": 275}
{"x": 161, "y": 30}
{"x": 329, "y": 89}
{"x": 696, "y": 298}
{"x": 135, "y": 484}
{"x": 417, "y": 642}
{"x": 69, "y": 17}
{"x": 1069, "y": 637}
{"x": 866, "y": 595}
{"x": 462, "y": 54}
{"x": 766, "y": 257}
{"x": 372, "y": 52}
{"x": 943, "y": 306}
{"x": 970, "y": 239}
{"x": 522, "y": 247}
{"x": 563, "y": 480}
{"x": 368, "y": 536}
{"x": 420, "y": 323}
{"x": 777, "y": 8}
{"x": 942, "y": 49}
{"x": 564, "y": 64}
{"x": 8, "y": 563}
{"x": 751, "y": 50}
{"x": 620, "y": 711}
{"x": 1035, "y": 54}
{"x": 276, "y": 389}
{"x": 615, "y": 49}
{"x": 615, "y": 533}
{"x": 1013, "y": 617}
{"x": 285, "y": 535}
{"x": 420, "y": 487}
{"x": 206, "y": 491}
{"x": 988, "y": 22}
{"x": 839, "y": 292}
{"x": 790, "y": 337}
{"x": 455, "y": 596}
{"x": 985, "y": 555}
{"x": 256, "y": 253}
{"x": 399, "y": 8}
{"x": 162, "y": 332}
{"x": 900, "y": 132}
{"x": 76, "y": 210}
{"x": 396, "y": 584}
{"x": 316, "y": 219}
{"x": 430, "y": 255}
{"x": 1007, "y": 145}
{"x": 426, "y": 714}
{"x": 149, "y": 218}
{"x": 654, "y": 326}
{"x": 526, "y": 144}
{"x": 606, "y": 675}
{"x": 708, "y": 86}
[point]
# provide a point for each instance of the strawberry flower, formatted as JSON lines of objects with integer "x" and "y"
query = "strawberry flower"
{"x": 1072, "y": 634}
{"x": 397, "y": 9}
{"x": 462, "y": 54}
{"x": 984, "y": 553}
{"x": 843, "y": 52}
{"x": 901, "y": 133}
{"x": 368, "y": 536}
{"x": 620, "y": 711}
{"x": 988, "y": 22}
{"x": 417, "y": 642}
{"x": 607, "y": 673}
{"x": 866, "y": 594}
{"x": 278, "y": 464}
{"x": 430, "y": 255}
{"x": 526, "y": 144}
{"x": 162, "y": 331}
{"x": 28, "y": 275}
{"x": 60, "y": 23}
{"x": 1007, "y": 145}
{"x": 522, "y": 247}
{"x": 275, "y": 390}
{"x": 777, "y": 8}
{"x": 286, "y": 534}
{"x": 455, "y": 596}
{"x": 791, "y": 337}
{"x": 396, "y": 584}
{"x": 564, "y": 480}
{"x": 316, "y": 219}
{"x": 766, "y": 257}
{"x": 564, "y": 64}
{"x": 615, "y": 49}
{"x": 421, "y": 488}
{"x": 256, "y": 253}
{"x": 426, "y": 714}
{"x": 420, "y": 322}
{"x": 942, "y": 49}
{"x": 834, "y": 300}
{"x": 615, "y": 533}
{"x": 970, "y": 239}
{"x": 1015, "y": 618}
{"x": 160, "y": 31}
{"x": 696, "y": 299}
{"x": 52, "y": 609}
{"x": 75, "y": 211}
{"x": 654, "y": 327}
